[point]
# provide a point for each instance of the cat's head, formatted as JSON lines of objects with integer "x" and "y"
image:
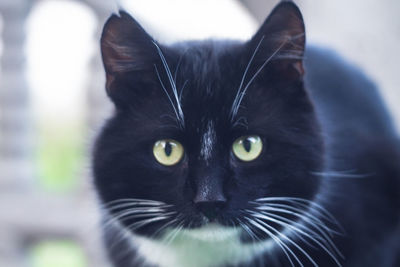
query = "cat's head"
{"x": 206, "y": 132}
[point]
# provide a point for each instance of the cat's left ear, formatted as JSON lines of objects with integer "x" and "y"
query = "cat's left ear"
{"x": 126, "y": 47}
{"x": 281, "y": 39}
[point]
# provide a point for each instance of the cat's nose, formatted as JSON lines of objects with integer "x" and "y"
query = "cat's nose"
{"x": 211, "y": 209}
{"x": 209, "y": 198}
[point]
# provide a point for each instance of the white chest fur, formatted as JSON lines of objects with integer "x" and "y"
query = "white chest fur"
{"x": 208, "y": 246}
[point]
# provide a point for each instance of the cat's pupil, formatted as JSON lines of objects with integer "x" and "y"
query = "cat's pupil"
{"x": 247, "y": 144}
{"x": 168, "y": 149}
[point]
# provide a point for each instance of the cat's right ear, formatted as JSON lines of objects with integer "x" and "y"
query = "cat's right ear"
{"x": 281, "y": 38}
{"x": 125, "y": 48}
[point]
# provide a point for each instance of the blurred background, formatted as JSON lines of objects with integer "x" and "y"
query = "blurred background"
{"x": 52, "y": 100}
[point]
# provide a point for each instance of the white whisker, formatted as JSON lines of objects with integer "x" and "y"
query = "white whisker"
{"x": 126, "y": 233}
{"x": 343, "y": 174}
{"x": 299, "y": 214}
{"x": 248, "y": 230}
{"x": 235, "y": 101}
{"x": 164, "y": 226}
{"x": 290, "y": 224}
{"x": 166, "y": 92}
{"x": 311, "y": 215}
{"x": 269, "y": 218}
{"x": 140, "y": 208}
{"x": 296, "y": 225}
{"x": 279, "y": 242}
{"x": 243, "y": 93}
{"x": 131, "y": 214}
{"x": 305, "y": 204}
{"x": 183, "y": 87}
{"x": 289, "y": 240}
{"x": 180, "y": 117}
{"x": 171, "y": 236}
{"x": 135, "y": 200}
{"x": 140, "y": 224}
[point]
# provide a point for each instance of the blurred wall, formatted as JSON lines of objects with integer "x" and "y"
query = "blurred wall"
{"x": 45, "y": 222}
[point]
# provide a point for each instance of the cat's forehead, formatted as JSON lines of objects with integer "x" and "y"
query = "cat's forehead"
{"x": 207, "y": 76}
{"x": 208, "y": 63}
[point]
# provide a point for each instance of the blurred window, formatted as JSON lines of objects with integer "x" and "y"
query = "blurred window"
{"x": 60, "y": 45}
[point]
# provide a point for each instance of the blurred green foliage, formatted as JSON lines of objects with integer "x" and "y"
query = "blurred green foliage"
{"x": 60, "y": 156}
{"x": 53, "y": 253}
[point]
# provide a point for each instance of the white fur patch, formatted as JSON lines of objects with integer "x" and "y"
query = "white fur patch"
{"x": 211, "y": 245}
{"x": 208, "y": 141}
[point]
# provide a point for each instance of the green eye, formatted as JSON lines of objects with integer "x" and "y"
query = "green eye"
{"x": 168, "y": 152}
{"x": 247, "y": 148}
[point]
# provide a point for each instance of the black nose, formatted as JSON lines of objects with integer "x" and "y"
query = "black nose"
{"x": 210, "y": 209}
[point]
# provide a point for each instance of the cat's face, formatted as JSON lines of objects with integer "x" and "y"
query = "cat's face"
{"x": 204, "y": 130}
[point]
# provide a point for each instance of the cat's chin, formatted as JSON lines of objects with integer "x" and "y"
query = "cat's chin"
{"x": 211, "y": 232}
{"x": 209, "y": 245}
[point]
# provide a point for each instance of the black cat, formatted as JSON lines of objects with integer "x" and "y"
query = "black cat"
{"x": 223, "y": 153}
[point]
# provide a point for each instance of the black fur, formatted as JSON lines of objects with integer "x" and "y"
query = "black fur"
{"x": 330, "y": 119}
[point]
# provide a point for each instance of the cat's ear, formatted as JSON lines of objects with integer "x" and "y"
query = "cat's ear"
{"x": 125, "y": 47}
{"x": 281, "y": 39}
